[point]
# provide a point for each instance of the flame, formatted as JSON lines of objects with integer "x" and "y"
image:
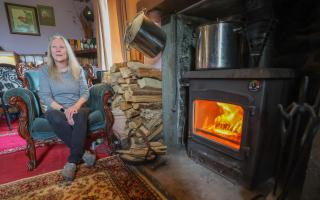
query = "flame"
{"x": 221, "y": 122}
{"x": 230, "y": 121}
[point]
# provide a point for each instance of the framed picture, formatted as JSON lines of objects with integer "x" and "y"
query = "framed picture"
{"x": 22, "y": 19}
{"x": 46, "y": 15}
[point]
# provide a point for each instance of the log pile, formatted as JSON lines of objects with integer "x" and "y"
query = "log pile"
{"x": 138, "y": 94}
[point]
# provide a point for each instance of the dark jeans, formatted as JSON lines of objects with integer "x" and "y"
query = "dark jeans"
{"x": 73, "y": 136}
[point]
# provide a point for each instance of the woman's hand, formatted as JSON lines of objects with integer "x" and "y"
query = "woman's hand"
{"x": 70, "y": 112}
{"x": 74, "y": 109}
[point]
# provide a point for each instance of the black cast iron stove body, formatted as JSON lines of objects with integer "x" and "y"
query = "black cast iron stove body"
{"x": 258, "y": 91}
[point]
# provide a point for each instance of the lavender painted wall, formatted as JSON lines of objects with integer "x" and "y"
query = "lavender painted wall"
{"x": 67, "y": 24}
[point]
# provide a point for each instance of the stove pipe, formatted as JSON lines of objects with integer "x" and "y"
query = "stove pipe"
{"x": 260, "y": 23}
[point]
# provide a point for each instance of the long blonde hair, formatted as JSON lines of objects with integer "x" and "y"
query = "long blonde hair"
{"x": 72, "y": 60}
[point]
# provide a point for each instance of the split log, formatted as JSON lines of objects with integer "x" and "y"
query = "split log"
{"x": 144, "y": 91}
{"x": 156, "y": 144}
{"x": 151, "y": 114}
{"x": 120, "y": 90}
{"x": 128, "y": 86}
{"x": 137, "y": 65}
{"x": 131, "y": 81}
{"x": 116, "y": 102}
{"x": 125, "y": 105}
{"x": 156, "y": 132}
{"x": 125, "y": 72}
{"x": 149, "y": 73}
{"x": 142, "y": 131}
{"x": 116, "y": 66}
{"x": 115, "y": 77}
{"x": 142, "y": 98}
{"x": 135, "y": 123}
{"x": 131, "y": 113}
{"x": 152, "y": 106}
{"x": 139, "y": 140}
{"x": 115, "y": 88}
{"x": 149, "y": 83}
{"x": 153, "y": 123}
{"x": 121, "y": 80}
{"x": 142, "y": 152}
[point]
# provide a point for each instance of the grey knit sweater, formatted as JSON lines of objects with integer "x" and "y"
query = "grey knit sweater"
{"x": 66, "y": 91}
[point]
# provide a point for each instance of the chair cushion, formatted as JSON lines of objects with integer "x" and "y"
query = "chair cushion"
{"x": 42, "y": 130}
{"x": 96, "y": 121}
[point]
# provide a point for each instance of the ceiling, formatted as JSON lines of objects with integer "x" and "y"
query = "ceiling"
{"x": 209, "y": 9}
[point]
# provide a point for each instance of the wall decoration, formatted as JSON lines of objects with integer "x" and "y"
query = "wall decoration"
{"x": 46, "y": 15}
{"x": 22, "y": 19}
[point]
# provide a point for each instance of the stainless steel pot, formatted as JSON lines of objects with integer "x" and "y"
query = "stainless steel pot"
{"x": 221, "y": 45}
{"x": 145, "y": 36}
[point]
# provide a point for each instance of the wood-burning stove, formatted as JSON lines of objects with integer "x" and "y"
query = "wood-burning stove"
{"x": 234, "y": 120}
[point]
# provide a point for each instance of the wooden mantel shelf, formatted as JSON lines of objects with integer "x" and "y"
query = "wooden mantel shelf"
{"x": 86, "y": 53}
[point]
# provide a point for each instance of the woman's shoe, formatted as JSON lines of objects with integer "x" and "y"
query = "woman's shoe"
{"x": 69, "y": 171}
{"x": 89, "y": 159}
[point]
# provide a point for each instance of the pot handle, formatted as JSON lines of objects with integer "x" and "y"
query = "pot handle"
{"x": 127, "y": 36}
{"x": 238, "y": 30}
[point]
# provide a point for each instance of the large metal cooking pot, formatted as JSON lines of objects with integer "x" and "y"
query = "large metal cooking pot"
{"x": 221, "y": 45}
{"x": 145, "y": 36}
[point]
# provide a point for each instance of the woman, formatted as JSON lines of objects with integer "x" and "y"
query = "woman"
{"x": 64, "y": 90}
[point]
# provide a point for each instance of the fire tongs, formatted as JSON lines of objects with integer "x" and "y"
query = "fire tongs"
{"x": 296, "y": 139}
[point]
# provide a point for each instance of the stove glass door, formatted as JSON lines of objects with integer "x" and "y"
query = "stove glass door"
{"x": 218, "y": 121}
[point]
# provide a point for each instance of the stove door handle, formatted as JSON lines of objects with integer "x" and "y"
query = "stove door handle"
{"x": 246, "y": 150}
{"x": 252, "y": 110}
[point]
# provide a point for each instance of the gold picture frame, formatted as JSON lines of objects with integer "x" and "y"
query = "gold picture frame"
{"x": 22, "y": 19}
{"x": 46, "y": 15}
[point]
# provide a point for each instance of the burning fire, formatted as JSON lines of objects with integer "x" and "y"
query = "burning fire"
{"x": 229, "y": 122}
{"x": 218, "y": 121}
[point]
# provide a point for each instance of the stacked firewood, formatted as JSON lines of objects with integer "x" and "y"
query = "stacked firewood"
{"x": 138, "y": 94}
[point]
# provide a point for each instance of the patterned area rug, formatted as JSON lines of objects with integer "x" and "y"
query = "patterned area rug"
{"x": 110, "y": 179}
{"x": 10, "y": 141}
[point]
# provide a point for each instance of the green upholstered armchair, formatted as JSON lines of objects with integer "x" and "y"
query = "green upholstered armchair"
{"x": 34, "y": 128}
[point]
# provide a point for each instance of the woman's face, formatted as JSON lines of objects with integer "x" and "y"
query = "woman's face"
{"x": 59, "y": 51}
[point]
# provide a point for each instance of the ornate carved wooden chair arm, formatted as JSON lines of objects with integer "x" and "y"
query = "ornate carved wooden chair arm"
{"x": 24, "y": 100}
{"x": 89, "y": 74}
{"x": 100, "y": 98}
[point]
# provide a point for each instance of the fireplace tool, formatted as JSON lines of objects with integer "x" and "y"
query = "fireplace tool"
{"x": 293, "y": 142}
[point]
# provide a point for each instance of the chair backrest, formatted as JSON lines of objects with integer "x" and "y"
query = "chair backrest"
{"x": 33, "y": 80}
{"x": 21, "y": 68}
